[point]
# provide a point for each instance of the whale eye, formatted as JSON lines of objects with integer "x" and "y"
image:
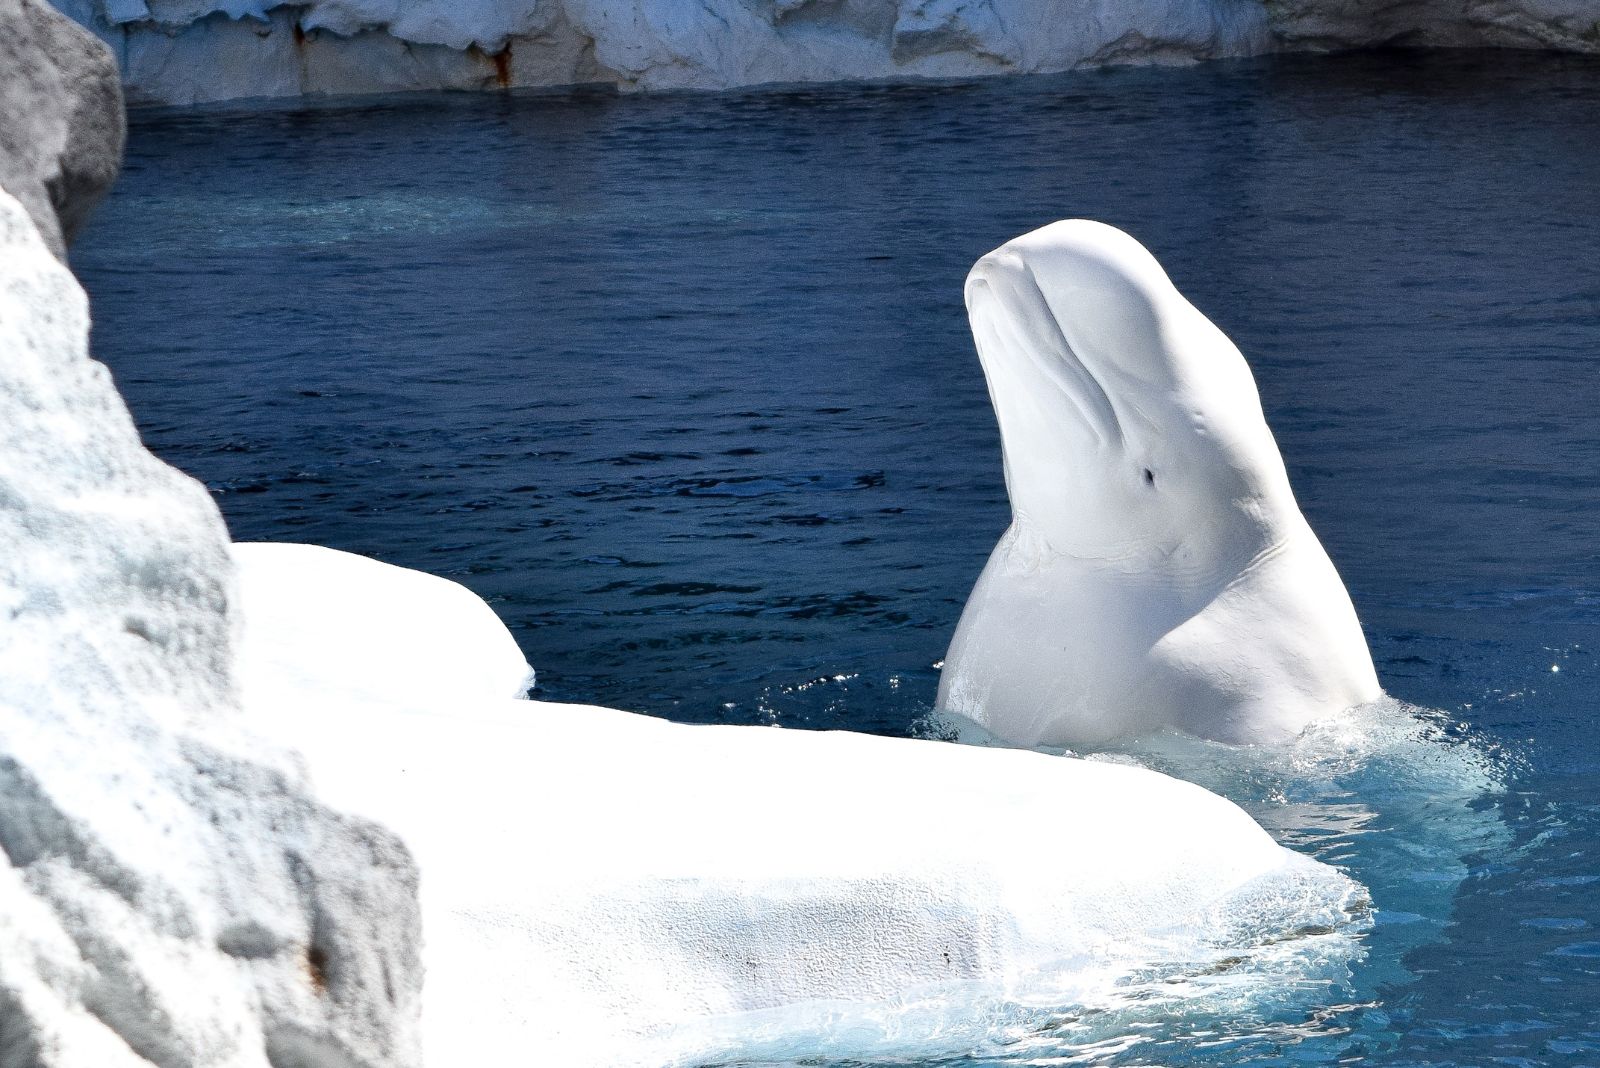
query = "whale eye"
{"x": 1149, "y": 477}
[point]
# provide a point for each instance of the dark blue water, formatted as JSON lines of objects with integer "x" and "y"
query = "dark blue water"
{"x": 682, "y": 385}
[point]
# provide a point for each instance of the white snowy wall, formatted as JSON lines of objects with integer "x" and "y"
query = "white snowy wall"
{"x": 189, "y": 51}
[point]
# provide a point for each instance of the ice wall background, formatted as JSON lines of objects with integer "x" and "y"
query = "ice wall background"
{"x": 189, "y": 51}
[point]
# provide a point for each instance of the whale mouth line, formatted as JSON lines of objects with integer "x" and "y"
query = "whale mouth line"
{"x": 1082, "y": 388}
{"x": 1032, "y": 326}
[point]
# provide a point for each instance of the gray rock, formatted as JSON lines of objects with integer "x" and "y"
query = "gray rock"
{"x": 171, "y": 893}
{"x": 61, "y": 121}
{"x": 1552, "y": 25}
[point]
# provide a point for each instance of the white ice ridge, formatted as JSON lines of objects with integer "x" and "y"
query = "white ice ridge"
{"x": 186, "y": 51}
{"x": 386, "y": 635}
{"x": 606, "y": 888}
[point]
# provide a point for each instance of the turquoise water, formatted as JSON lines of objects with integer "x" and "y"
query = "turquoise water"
{"x": 682, "y": 384}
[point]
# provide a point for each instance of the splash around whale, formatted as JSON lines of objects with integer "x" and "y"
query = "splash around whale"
{"x": 1157, "y": 572}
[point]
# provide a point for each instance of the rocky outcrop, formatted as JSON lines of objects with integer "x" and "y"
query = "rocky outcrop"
{"x": 187, "y": 51}
{"x": 61, "y": 124}
{"x": 170, "y": 892}
{"x": 1558, "y": 25}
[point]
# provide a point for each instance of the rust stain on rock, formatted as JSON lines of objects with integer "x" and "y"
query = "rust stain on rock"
{"x": 315, "y": 965}
{"x": 500, "y": 60}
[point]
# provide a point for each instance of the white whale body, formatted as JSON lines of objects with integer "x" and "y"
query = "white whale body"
{"x": 1157, "y": 572}
{"x": 602, "y": 888}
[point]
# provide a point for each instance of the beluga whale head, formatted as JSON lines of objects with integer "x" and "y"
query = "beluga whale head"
{"x": 1157, "y": 572}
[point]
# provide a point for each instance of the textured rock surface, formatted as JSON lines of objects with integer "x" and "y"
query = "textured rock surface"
{"x": 170, "y": 894}
{"x": 185, "y": 51}
{"x": 1563, "y": 25}
{"x": 61, "y": 122}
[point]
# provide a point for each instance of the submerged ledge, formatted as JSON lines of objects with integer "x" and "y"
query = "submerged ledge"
{"x": 198, "y": 51}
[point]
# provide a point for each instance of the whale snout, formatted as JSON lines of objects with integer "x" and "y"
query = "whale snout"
{"x": 1003, "y": 268}
{"x": 1037, "y": 377}
{"x": 1075, "y": 256}
{"x": 1087, "y": 292}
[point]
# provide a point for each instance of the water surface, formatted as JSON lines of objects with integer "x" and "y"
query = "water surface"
{"x": 682, "y": 385}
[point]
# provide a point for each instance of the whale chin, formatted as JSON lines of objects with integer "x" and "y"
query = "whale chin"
{"x": 1158, "y": 572}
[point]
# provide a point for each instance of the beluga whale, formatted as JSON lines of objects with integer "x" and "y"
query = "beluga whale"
{"x": 1157, "y": 573}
